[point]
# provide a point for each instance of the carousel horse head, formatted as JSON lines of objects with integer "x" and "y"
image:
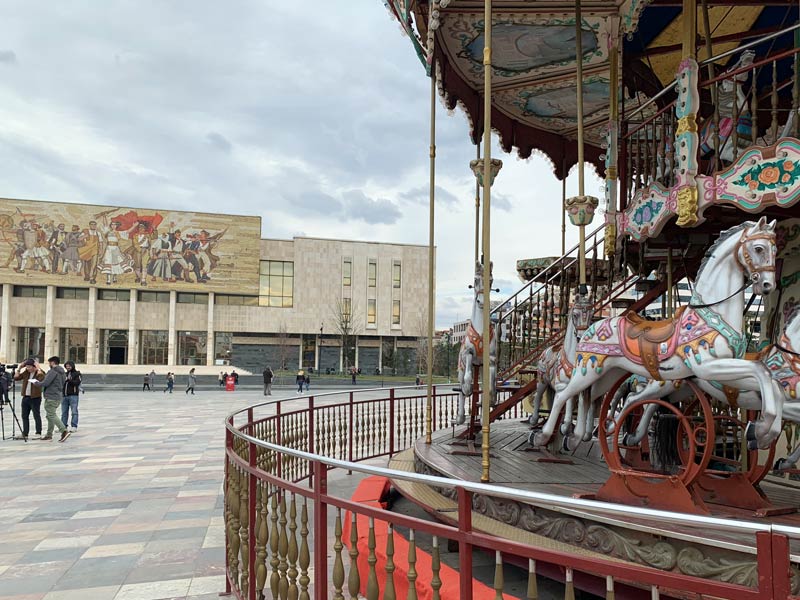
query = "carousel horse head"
{"x": 477, "y": 286}
{"x": 756, "y": 252}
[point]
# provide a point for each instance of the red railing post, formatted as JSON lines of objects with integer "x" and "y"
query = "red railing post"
{"x": 391, "y": 422}
{"x": 278, "y": 438}
{"x": 464, "y": 547}
{"x": 228, "y": 446}
{"x": 311, "y": 448}
{"x": 251, "y": 520}
{"x": 321, "y": 575}
{"x": 777, "y": 582}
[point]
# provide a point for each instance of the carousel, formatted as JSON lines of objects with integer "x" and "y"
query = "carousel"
{"x": 689, "y": 110}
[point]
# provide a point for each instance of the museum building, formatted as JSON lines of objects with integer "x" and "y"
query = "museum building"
{"x": 107, "y": 285}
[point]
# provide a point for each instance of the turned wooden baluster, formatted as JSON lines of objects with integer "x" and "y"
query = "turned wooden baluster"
{"x": 292, "y": 550}
{"x": 533, "y": 586}
{"x": 498, "y": 576}
{"x": 654, "y": 593}
{"x": 436, "y": 562}
{"x": 372, "y": 560}
{"x": 233, "y": 532}
{"x": 274, "y": 546}
{"x": 262, "y": 514}
{"x": 609, "y": 587}
{"x": 412, "y": 567}
{"x": 569, "y": 586}
{"x": 537, "y": 316}
{"x": 354, "y": 579}
{"x": 389, "y": 592}
{"x": 305, "y": 554}
{"x": 244, "y": 519}
{"x": 338, "y": 564}
{"x": 283, "y": 550}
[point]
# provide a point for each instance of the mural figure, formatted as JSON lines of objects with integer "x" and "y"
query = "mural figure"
{"x": 114, "y": 261}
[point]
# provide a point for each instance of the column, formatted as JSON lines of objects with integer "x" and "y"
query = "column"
{"x": 50, "y": 346}
{"x": 316, "y": 353}
{"x": 355, "y": 360}
{"x": 133, "y": 345}
{"x": 6, "y": 351}
{"x": 210, "y": 349}
{"x": 380, "y": 354}
{"x": 300, "y": 361}
{"x": 91, "y": 332}
{"x": 173, "y": 304}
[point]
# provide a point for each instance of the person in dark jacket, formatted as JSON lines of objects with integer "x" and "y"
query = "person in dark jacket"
{"x": 31, "y": 396}
{"x": 53, "y": 392}
{"x": 72, "y": 390}
{"x": 191, "y": 382}
{"x": 235, "y": 376}
{"x": 300, "y": 380}
{"x": 307, "y": 381}
{"x": 268, "y": 375}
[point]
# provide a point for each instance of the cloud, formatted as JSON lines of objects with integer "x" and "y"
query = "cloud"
{"x": 8, "y": 56}
{"x": 421, "y": 195}
{"x": 358, "y": 205}
{"x": 219, "y": 141}
{"x": 501, "y": 202}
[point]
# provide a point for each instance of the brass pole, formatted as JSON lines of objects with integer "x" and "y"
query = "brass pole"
{"x": 477, "y": 208}
{"x": 431, "y": 263}
{"x": 579, "y": 76}
{"x": 689, "y": 28}
{"x": 564, "y": 214}
{"x": 487, "y": 187}
{"x": 670, "y": 301}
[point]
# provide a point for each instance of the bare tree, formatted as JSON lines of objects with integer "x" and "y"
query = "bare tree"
{"x": 419, "y": 328}
{"x": 284, "y": 350}
{"x": 347, "y": 325}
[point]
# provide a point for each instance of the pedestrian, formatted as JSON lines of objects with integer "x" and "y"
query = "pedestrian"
{"x": 268, "y": 375}
{"x": 152, "y": 379}
{"x": 170, "y": 382}
{"x": 146, "y": 384}
{"x": 31, "y": 396}
{"x": 53, "y": 391}
{"x": 353, "y": 375}
{"x": 300, "y": 380}
{"x": 192, "y": 381}
{"x": 307, "y": 381}
{"x": 235, "y": 376}
{"x": 221, "y": 379}
{"x": 72, "y": 390}
{"x": 5, "y": 383}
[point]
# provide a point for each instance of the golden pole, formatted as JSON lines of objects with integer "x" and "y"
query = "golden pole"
{"x": 431, "y": 262}
{"x": 477, "y": 207}
{"x": 579, "y": 75}
{"x": 487, "y": 264}
{"x": 564, "y": 214}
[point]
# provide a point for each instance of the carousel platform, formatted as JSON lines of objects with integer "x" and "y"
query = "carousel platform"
{"x": 691, "y": 550}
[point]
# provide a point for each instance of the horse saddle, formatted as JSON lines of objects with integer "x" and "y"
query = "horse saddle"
{"x": 649, "y": 342}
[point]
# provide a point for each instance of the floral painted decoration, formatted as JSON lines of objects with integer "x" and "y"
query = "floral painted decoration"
{"x": 770, "y": 175}
{"x": 647, "y": 212}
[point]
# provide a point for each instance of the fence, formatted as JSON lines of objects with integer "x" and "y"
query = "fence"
{"x": 279, "y": 460}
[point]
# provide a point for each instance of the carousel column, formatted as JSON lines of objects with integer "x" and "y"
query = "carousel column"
{"x": 210, "y": 334}
{"x": 49, "y": 330}
{"x": 6, "y": 351}
{"x": 132, "y": 345}
{"x": 431, "y": 259}
{"x": 91, "y": 331}
{"x": 173, "y": 304}
{"x": 612, "y": 144}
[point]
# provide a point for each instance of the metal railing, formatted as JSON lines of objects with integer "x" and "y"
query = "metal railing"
{"x": 278, "y": 509}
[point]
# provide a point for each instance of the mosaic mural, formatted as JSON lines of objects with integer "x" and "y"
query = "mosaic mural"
{"x": 78, "y": 244}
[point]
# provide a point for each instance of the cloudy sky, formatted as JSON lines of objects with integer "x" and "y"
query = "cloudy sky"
{"x": 313, "y": 115}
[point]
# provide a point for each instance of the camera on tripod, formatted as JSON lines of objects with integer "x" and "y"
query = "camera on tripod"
{"x": 4, "y": 367}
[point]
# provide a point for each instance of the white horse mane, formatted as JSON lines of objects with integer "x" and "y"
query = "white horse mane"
{"x": 723, "y": 237}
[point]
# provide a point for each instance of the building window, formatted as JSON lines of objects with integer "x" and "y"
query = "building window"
{"x": 154, "y": 297}
{"x": 395, "y": 312}
{"x": 277, "y": 284}
{"x": 371, "y": 312}
{"x": 153, "y": 347}
{"x": 114, "y": 295}
{"x": 192, "y": 347}
{"x": 30, "y": 291}
{"x": 347, "y": 272}
{"x": 347, "y": 307}
{"x": 113, "y": 346}
{"x": 372, "y": 273}
{"x": 223, "y": 347}
{"x": 235, "y": 300}
{"x": 30, "y": 341}
{"x": 73, "y": 345}
{"x": 396, "y": 274}
{"x": 72, "y": 293}
{"x": 184, "y": 298}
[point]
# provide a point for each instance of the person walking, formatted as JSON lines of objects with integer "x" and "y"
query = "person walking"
{"x": 268, "y": 375}
{"x": 300, "y": 380}
{"x": 353, "y": 373}
{"x": 235, "y": 376}
{"x": 72, "y": 390}
{"x": 31, "y": 396}
{"x": 221, "y": 379}
{"x": 307, "y": 381}
{"x": 170, "y": 382}
{"x": 146, "y": 384}
{"x": 53, "y": 391}
{"x": 152, "y": 380}
{"x": 192, "y": 382}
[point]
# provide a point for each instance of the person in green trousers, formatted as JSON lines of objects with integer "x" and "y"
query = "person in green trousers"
{"x": 53, "y": 392}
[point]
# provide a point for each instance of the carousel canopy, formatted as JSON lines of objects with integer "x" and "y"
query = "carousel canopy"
{"x": 533, "y": 57}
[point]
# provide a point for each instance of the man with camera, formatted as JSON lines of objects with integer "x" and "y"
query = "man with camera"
{"x": 31, "y": 396}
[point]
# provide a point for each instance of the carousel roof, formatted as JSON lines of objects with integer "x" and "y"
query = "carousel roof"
{"x": 533, "y": 58}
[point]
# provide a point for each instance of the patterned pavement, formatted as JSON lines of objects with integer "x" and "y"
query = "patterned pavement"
{"x": 128, "y": 508}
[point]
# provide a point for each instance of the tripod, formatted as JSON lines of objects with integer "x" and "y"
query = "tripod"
{"x": 3, "y": 401}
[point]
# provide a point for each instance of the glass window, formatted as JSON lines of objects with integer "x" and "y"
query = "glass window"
{"x": 395, "y": 312}
{"x": 396, "y": 274}
{"x": 347, "y": 272}
{"x": 30, "y": 341}
{"x": 276, "y": 287}
{"x": 371, "y": 312}
{"x": 154, "y": 297}
{"x": 184, "y": 298}
{"x": 72, "y": 293}
{"x": 192, "y": 347}
{"x": 116, "y": 295}
{"x": 347, "y": 307}
{"x": 223, "y": 346}
{"x": 73, "y": 345}
{"x": 30, "y": 291}
{"x": 114, "y": 346}
{"x": 153, "y": 347}
{"x": 235, "y": 300}
{"x": 372, "y": 273}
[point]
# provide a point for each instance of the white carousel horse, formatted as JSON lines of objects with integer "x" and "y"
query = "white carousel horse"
{"x": 703, "y": 340}
{"x": 470, "y": 355}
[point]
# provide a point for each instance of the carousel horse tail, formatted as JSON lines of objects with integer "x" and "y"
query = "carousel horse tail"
{"x": 665, "y": 440}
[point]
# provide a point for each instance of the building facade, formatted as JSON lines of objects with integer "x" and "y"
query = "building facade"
{"x": 103, "y": 285}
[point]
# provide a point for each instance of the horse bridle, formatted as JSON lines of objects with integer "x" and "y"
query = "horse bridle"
{"x": 747, "y": 266}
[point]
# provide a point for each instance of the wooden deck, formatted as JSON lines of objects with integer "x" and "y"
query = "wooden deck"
{"x": 513, "y": 464}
